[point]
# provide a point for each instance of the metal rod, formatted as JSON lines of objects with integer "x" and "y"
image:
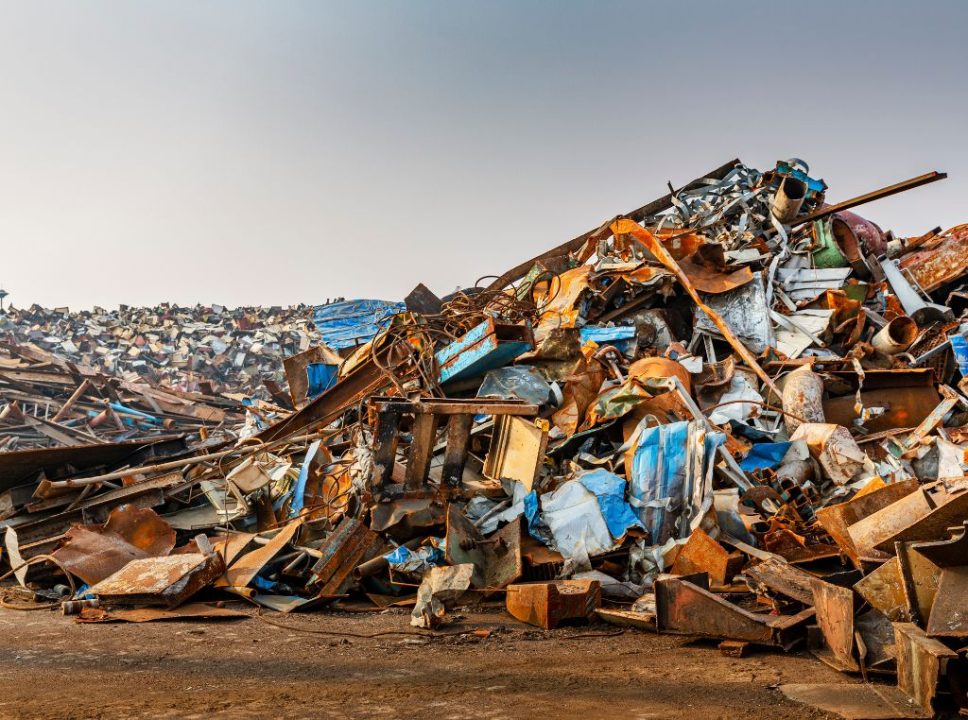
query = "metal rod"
{"x": 871, "y": 196}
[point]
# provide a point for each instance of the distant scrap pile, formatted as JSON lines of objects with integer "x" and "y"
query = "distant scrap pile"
{"x": 86, "y": 377}
{"x": 738, "y": 412}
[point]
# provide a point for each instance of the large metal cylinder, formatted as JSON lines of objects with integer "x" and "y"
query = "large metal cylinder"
{"x": 802, "y": 398}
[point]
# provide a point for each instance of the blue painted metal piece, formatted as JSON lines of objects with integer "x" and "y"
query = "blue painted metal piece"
{"x": 764, "y": 455}
{"x": 813, "y": 186}
{"x": 489, "y": 345}
{"x": 321, "y": 377}
{"x": 666, "y": 464}
{"x": 353, "y": 322}
{"x": 622, "y": 337}
{"x": 135, "y": 413}
{"x": 299, "y": 492}
{"x": 959, "y": 346}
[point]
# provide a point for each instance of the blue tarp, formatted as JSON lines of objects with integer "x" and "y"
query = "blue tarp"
{"x": 609, "y": 489}
{"x": 353, "y": 322}
{"x": 765, "y": 455}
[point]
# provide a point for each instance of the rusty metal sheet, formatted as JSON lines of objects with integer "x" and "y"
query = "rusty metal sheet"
{"x": 903, "y": 588}
{"x": 836, "y": 519}
{"x": 712, "y": 281}
{"x": 406, "y": 518}
{"x": 189, "y": 611}
{"x": 165, "y": 581}
{"x": 921, "y": 661}
{"x": 548, "y": 604}
{"x": 627, "y": 618}
{"x": 952, "y": 509}
{"x": 952, "y": 552}
{"x": 686, "y": 608}
{"x": 949, "y": 613}
{"x": 92, "y": 553}
{"x": 246, "y": 567}
{"x": 945, "y": 262}
{"x": 20, "y": 466}
{"x": 856, "y": 701}
{"x": 497, "y": 560}
{"x": 517, "y": 449}
{"x": 880, "y": 526}
{"x": 884, "y": 590}
{"x": 834, "y": 606}
{"x": 907, "y": 404}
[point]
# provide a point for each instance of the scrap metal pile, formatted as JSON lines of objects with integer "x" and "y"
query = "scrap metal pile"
{"x": 70, "y": 379}
{"x": 736, "y": 412}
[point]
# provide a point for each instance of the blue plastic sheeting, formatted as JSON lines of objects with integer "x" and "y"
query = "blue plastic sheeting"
{"x": 353, "y": 322}
{"x": 959, "y": 346}
{"x": 609, "y": 490}
{"x": 405, "y": 560}
{"x": 532, "y": 514}
{"x": 765, "y": 455}
{"x": 321, "y": 378}
{"x": 622, "y": 338}
{"x": 671, "y": 465}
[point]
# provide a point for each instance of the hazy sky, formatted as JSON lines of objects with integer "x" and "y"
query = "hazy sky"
{"x": 282, "y": 152}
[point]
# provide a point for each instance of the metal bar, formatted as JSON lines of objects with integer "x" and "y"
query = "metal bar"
{"x": 871, "y": 196}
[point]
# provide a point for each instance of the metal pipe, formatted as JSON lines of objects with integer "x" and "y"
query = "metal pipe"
{"x": 896, "y": 336}
{"x": 788, "y": 199}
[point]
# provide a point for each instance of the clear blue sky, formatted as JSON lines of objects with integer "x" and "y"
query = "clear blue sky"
{"x": 281, "y": 152}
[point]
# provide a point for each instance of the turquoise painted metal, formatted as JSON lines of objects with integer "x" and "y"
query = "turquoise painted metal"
{"x": 489, "y": 345}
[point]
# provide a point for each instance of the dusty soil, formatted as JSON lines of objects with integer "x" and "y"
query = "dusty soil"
{"x": 54, "y": 668}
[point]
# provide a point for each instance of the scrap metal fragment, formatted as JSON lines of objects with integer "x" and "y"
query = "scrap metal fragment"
{"x": 548, "y": 604}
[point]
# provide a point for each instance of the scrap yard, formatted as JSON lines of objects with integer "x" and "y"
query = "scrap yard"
{"x": 708, "y": 459}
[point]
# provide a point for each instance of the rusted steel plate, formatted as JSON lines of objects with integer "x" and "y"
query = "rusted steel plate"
{"x": 703, "y": 554}
{"x": 685, "y": 608}
{"x": 932, "y": 525}
{"x": 921, "y": 661}
{"x": 246, "y": 567}
{"x": 856, "y": 701}
{"x": 836, "y": 519}
{"x": 784, "y": 578}
{"x": 165, "y": 581}
{"x": 880, "y": 526}
{"x": 834, "y": 606}
{"x": 949, "y": 613}
{"x": 944, "y": 263}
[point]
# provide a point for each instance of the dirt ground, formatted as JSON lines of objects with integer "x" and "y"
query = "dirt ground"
{"x": 54, "y": 668}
